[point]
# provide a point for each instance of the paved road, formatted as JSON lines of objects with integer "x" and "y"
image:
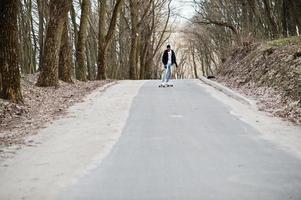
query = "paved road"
{"x": 182, "y": 144}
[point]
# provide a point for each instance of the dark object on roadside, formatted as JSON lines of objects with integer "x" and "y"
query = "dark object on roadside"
{"x": 210, "y": 77}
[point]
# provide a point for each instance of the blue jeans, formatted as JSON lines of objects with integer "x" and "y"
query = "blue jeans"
{"x": 167, "y": 73}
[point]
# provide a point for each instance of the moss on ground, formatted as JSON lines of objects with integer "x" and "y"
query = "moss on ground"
{"x": 285, "y": 41}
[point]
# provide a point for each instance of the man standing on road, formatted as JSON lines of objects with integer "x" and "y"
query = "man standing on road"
{"x": 168, "y": 59}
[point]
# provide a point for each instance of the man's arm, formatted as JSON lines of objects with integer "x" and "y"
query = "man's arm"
{"x": 163, "y": 58}
{"x": 175, "y": 58}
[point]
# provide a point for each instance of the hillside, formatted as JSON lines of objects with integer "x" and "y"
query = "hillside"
{"x": 269, "y": 72}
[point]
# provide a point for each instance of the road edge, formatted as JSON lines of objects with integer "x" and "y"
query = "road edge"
{"x": 229, "y": 92}
{"x": 9, "y": 152}
{"x": 283, "y": 134}
{"x": 59, "y": 147}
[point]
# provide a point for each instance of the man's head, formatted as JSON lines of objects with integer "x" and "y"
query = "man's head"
{"x": 168, "y": 47}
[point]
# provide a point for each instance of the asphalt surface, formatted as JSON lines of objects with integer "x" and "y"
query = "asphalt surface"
{"x": 183, "y": 144}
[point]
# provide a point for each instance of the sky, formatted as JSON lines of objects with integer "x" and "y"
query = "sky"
{"x": 183, "y": 8}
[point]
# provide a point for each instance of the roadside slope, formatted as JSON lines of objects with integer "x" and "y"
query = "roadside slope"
{"x": 269, "y": 71}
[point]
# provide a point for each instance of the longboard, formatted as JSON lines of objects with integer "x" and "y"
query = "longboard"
{"x": 168, "y": 85}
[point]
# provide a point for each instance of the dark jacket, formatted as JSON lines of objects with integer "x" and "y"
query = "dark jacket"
{"x": 173, "y": 58}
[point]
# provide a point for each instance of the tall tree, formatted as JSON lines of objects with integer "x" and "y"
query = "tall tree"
{"x": 138, "y": 10}
{"x": 9, "y": 61}
{"x": 271, "y": 18}
{"x": 295, "y": 10}
{"x": 49, "y": 73}
{"x": 81, "y": 66}
{"x": 65, "y": 58}
{"x": 157, "y": 40}
{"x": 106, "y": 37}
{"x": 91, "y": 46}
{"x": 124, "y": 45}
{"x": 74, "y": 24}
{"x": 41, "y": 13}
{"x": 134, "y": 38}
{"x": 27, "y": 37}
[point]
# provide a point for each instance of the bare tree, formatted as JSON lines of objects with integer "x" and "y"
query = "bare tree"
{"x": 106, "y": 37}
{"x": 9, "y": 61}
{"x": 49, "y": 72}
{"x": 81, "y": 66}
{"x": 65, "y": 57}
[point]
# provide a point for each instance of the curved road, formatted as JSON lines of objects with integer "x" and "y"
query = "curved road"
{"x": 183, "y": 144}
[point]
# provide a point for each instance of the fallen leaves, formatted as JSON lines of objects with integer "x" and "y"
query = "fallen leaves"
{"x": 41, "y": 105}
{"x": 272, "y": 77}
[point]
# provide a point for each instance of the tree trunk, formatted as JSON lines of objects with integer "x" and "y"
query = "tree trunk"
{"x": 92, "y": 54}
{"x": 203, "y": 66}
{"x": 148, "y": 68}
{"x": 102, "y": 46}
{"x": 133, "y": 54}
{"x": 41, "y": 8}
{"x": 81, "y": 65}
{"x": 88, "y": 55}
{"x": 284, "y": 18}
{"x": 9, "y": 61}
{"x": 138, "y": 49}
{"x": 270, "y": 17}
{"x": 246, "y": 21}
{"x": 49, "y": 73}
{"x": 143, "y": 54}
{"x": 124, "y": 46}
{"x": 25, "y": 37}
{"x": 35, "y": 45}
{"x": 105, "y": 39}
{"x": 73, "y": 19}
{"x": 113, "y": 64}
{"x": 256, "y": 14}
{"x": 195, "y": 70}
{"x": 102, "y": 62}
{"x": 65, "y": 59}
{"x": 296, "y": 7}
{"x": 134, "y": 39}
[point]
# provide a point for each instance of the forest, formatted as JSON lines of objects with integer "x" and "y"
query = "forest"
{"x": 86, "y": 40}
{"x": 82, "y": 40}
{"x": 219, "y": 26}
{"x": 95, "y": 105}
